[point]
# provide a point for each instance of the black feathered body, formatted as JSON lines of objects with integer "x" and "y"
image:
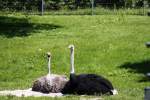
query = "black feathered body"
{"x": 89, "y": 84}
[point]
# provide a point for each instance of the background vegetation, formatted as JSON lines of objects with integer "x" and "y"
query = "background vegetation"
{"x": 69, "y": 4}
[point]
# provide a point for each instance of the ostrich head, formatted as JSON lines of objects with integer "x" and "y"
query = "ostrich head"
{"x": 71, "y": 47}
{"x": 49, "y": 60}
{"x": 48, "y": 54}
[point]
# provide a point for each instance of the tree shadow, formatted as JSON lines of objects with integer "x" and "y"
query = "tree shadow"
{"x": 21, "y": 27}
{"x": 142, "y": 67}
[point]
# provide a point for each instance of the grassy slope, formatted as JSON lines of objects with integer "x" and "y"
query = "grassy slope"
{"x": 112, "y": 46}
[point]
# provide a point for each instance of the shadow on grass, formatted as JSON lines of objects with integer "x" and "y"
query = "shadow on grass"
{"x": 142, "y": 67}
{"x": 20, "y": 27}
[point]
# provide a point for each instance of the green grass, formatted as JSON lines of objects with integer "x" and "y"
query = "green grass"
{"x": 108, "y": 45}
{"x": 100, "y": 11}
{"x": 86, "y": 11}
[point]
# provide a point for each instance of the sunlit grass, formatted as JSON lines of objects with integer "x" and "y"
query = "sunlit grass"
{"x": 103, "y": 45}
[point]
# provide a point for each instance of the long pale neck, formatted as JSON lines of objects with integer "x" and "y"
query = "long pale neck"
{"x": 49, "y": 65}
{"x": 72, "y": 61}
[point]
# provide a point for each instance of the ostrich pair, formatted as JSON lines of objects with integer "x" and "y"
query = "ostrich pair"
{"x": 90, "y": 84}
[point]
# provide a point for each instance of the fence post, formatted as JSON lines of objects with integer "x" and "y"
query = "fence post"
{"x": 147, "y": 93}
{"x": 125, "y": 5}
{"x": 114, "y": 7}
{"x": 92, "y": 3}
{"x": 144, "y": 7}
{"x": 42, "y": 7}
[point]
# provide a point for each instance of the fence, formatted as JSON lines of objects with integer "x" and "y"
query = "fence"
{"x": 94, "y": 7}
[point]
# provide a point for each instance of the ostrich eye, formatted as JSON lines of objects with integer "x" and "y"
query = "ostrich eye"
{"x": 48, "y": 55}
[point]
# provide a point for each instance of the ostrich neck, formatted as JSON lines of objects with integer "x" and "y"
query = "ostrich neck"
{"x": 72, "y": 61}
{"x": 49, "y": 66}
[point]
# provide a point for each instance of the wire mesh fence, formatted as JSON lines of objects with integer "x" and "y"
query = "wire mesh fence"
{"x": 66, "y": 7}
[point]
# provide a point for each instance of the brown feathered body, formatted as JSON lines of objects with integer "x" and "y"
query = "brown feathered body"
{"x": 50, "y": 83}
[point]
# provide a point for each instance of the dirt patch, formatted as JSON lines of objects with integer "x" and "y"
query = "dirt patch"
{"x": 28, "y": 92}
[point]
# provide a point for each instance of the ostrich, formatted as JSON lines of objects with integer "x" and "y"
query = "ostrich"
{"x": 90, "y": 84}
{"x": 51, "y": 82}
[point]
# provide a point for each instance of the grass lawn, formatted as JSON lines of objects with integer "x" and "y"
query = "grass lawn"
{"x": 109, "y": 45}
